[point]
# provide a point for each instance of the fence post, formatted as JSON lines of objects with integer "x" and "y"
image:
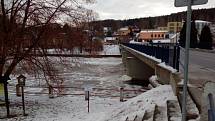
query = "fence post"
{"x": 86, "y": 95}
{"x": 51, "y": 95}
{"x": 23, "y": 101}
{"x": 121, "y": 94}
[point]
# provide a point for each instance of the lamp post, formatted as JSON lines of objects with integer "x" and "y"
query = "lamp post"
{"x": 21, "y": 83}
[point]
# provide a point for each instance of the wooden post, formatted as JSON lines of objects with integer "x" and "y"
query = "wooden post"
{"x": 23, "y": 100}
{"x": 88, "y": 92}
{"x": 51, "y": 92}
{"x": 86, "y": 95}
{"x": 121, "y": 94}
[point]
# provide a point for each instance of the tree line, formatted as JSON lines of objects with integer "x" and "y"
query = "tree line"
{"x": 154, "y": 22}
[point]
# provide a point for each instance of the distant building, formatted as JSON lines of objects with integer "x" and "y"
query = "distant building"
{"x": 174, "y": 27}
{"x": 123, "y": 31}
{"x": 123, "y": 34}
{"x": 163, "y": 28}
{"x": 149, "y": 35}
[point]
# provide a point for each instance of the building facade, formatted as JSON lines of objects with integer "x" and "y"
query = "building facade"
{"x": 149, "y": 35}
{"x": 174, "y": 27}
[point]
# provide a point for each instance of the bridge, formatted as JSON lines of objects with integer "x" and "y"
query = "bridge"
{"x": 142, "y": 61}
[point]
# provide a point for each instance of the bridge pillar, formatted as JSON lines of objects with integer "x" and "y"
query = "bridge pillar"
{"x": 135, "y": 68}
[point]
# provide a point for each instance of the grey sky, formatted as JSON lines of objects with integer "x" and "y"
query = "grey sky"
{"x": 124, "y": 9}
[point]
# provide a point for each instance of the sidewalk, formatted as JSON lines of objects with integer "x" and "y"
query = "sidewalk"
{"x": 198, "y": 76}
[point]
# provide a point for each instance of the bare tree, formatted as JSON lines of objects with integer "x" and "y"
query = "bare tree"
{"x": 25, "y": 25}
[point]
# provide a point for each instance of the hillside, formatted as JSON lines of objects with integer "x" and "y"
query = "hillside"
{"x": 153, "y": 22}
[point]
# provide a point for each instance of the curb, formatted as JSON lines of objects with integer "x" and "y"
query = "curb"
{"x": 203, "y": 50}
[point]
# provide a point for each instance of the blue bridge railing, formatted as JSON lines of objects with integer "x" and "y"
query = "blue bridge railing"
{"x": 168, "y": 53}
{"x": 211, "y": 110}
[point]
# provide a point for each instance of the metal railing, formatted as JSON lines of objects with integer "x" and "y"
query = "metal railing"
{"x": 167, "y": 52}
{"x": 211, "y": 110}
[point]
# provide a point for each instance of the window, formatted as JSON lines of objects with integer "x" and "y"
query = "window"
{"x": 155, "y": 35}
{"x": 152, "y": 35}
{"x": 158, "y": 35}
{"x": 162, "y": 35}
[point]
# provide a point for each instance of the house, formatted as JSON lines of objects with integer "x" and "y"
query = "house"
{"x": 123, "y": 34}
{"x": 124, "y": 31}
{"x": 149, "y": 35}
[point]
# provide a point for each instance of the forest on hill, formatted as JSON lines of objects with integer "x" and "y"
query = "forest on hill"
{"x": 154, "y": 22}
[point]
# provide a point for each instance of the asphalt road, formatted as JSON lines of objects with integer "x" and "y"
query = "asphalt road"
{"x": 201, "y": 66}
{"x": 203, "y": 59}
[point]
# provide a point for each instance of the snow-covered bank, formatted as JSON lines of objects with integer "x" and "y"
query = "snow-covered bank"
{"x": 141, "y": 103}
{"x": 74, "y": 108}
{"x": 66, "y": 108}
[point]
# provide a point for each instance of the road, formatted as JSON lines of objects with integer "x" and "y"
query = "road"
{"x": 203, "y": 59}
{"x": 201, "y": 66}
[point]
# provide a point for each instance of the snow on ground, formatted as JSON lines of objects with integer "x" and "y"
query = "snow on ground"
{"x": 74, "y": 108}
{"x": 141, "y": 103}
{"x": 65, "y": 108}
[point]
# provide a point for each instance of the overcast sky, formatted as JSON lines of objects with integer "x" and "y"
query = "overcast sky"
{"x": 125, "y": 9}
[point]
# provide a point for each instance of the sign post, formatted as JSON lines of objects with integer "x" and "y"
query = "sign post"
{"x": 188, "y": 3}
{"x": 87, "y": 89}
{"x": 186, "y": 61}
